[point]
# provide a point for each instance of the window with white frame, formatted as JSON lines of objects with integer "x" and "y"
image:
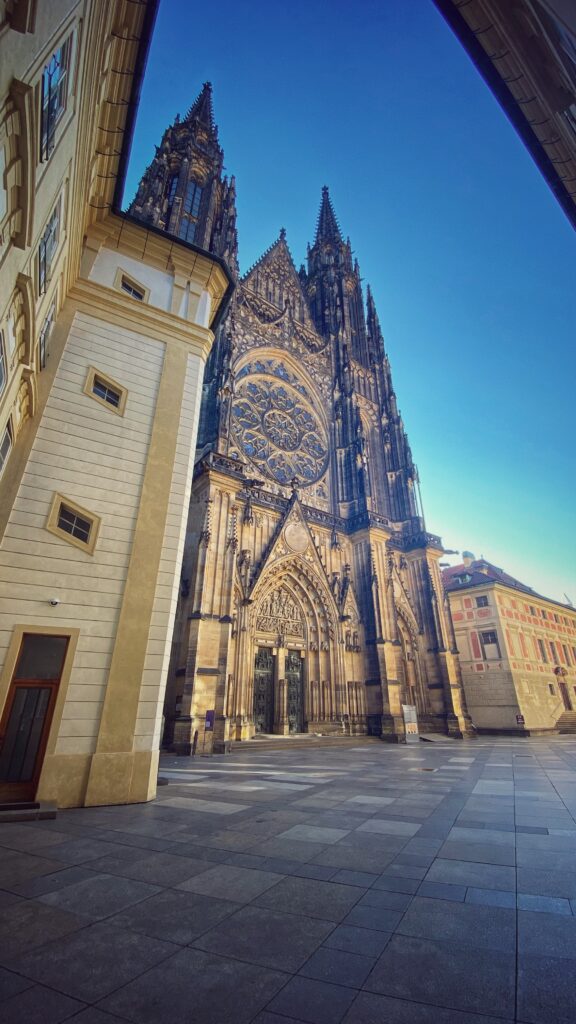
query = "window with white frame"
{"x": 55, "y": 84}
{"x": 47, "y": 248}
{"x": 490, "y": 644}
{"x": 45, "y": 333}
{"x": 5, "y": 446}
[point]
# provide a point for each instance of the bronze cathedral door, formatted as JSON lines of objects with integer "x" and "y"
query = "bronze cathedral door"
{"x": 294, "y": 691}
{"x": 264, "y": 690}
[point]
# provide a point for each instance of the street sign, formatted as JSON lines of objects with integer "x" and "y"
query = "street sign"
{"x": 209, "y": 722}
{"x": 520, "y": 720}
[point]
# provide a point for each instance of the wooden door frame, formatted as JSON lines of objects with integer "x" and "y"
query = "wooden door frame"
{"x": 8, "y": 669}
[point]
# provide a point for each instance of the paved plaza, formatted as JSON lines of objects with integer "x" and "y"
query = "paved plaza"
{"x": 361, "y": 883}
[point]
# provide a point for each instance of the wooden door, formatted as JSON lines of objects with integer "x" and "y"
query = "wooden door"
{"x": 25, "y": 723}
{"x": 565, "y": 696}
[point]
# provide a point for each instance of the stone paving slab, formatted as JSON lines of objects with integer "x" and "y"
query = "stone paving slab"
{"x": 318, "y": 886}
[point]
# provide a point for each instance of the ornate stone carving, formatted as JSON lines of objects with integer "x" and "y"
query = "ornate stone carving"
{"x": 279, "y": 613}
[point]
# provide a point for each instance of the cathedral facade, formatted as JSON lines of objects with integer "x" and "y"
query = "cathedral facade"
{"x": 311, "y": 598}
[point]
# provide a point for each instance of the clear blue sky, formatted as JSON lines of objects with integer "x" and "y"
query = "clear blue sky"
{"x": 470, "y": 258}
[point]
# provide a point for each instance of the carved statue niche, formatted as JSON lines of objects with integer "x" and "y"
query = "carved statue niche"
{"x": 279, "y": 613}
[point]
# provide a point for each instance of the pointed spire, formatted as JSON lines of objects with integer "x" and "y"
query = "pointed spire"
{"x": 328, "y": 228}
{"x": 201, "y": 110}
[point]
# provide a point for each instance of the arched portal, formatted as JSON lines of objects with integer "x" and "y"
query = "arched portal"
{"x": 413, "y": 693}
{"x": 289, "y": 661}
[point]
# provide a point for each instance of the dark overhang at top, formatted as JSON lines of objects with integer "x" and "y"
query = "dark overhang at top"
{"x": 526, "y": 52}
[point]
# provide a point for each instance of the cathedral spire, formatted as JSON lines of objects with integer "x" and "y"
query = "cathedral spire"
{"x": 201, "y": 110}
{"x": 328, "y": 229}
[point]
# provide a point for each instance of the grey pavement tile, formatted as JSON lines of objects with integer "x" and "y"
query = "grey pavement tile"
{"x": 491, "y": 897}
{"x": 562, "y": 861}
{"x": 196, "y": 986}
{"x": 94, "y": 1016}
{"x": 400, "y": 870}
{"x": 313, "y": 834}
{"x": 273, "y": 1018}
{"x": 488, "y": 835}
{"x": 364, "y": 941}
{"x": 30, "y": 924}
{"x": 464, "y": 924}
{"x": 315, "y": 1002}
{"x": 11, "y": 984}
{"x": 480, "y": 853}
{"x": 39, "y": 1005}
{"x": 290, "y": 849}
{"x": 248, "y": 860}
{"x": 92, "y": 962}
{"x": 16, "y": 867}
{"x": 393, "y": 884}
{"x": 29, "y": 838}
{"x": 327, "y": 900}
{"x": 547, "y": 882}
{"x": 546, "y": 987}
{"x": 443, "y": 974}
{"x": 541, "y": 934}
{"x": 266, "y": 937}
{"x": 389, "y": 827}
{"x": 338, "y": 967}
{"x": 377, "y": 918}
{"x": 9, "y": 899}
{"x": 385, "y": 899}
{"x": 372, "y": 1009}
{"x": 82, "y": 851}
{"x": 157, "y": 868}
{"x": 228, "y": 882}
{"x": 544, "y": 904}
{"x": 360, "y": 878}
{"x": 443, "y": 891}
{"x": 483, "y": 876}
{"x": 371, "y": 860}
{"x": 50, "y": 883}
{"x": 319, "y": 871}
{"x": 175, "y": 916}
{"x": 99, "y": 897}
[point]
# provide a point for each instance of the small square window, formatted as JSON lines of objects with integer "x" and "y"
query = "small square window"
{"x": 105, "y": 390}
{"x": 73, "y": 523}
{"x": 482, "y": 602}
{"x": 551, "y": 688}
{"x": 130, "y": 286}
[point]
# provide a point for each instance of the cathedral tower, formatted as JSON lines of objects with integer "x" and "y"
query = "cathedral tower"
{"x": 311, "y": 597}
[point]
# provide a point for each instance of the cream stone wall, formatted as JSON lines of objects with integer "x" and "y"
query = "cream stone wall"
{"x": 149, "y": 721}
{"x": 88, "y": 454}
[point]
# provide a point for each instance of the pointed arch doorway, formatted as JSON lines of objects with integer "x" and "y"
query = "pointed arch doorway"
{"x": 279, "y": 664}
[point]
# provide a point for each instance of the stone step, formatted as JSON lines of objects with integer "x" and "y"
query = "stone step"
{"x": 300, "y": 742}
{"x": 566, "y": 724}
{"x": 30, "y": 810}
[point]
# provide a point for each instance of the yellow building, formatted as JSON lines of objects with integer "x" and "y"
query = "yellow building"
{"x": 105, "y": 329}
{"x": 517, "y": 651}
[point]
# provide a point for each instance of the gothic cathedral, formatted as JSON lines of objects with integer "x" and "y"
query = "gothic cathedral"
{"x": 311, "y": 598}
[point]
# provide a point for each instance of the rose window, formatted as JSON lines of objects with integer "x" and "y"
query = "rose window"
{"x": 275, "y": 425}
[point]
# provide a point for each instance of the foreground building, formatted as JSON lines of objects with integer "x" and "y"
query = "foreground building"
{"x": 105, "y": 329}
{"x": 311, "y": 597}
{"x": 526, "y": 52}
{"x": 517, "y": 651}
